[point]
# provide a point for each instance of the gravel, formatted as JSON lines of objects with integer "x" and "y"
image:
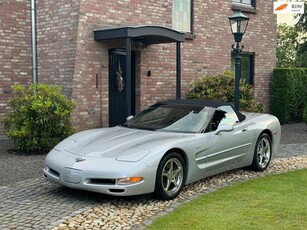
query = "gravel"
{"x": 15, "y": 168}
{"x": 294, "y": 133}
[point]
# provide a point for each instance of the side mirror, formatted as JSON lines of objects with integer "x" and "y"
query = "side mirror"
{"x": 223, "y": 128}
{"x": 129, "y": 117}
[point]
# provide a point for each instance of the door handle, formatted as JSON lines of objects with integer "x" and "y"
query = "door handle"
{"x": 243, "y": 130}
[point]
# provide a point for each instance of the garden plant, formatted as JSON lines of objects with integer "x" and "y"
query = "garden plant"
{"x": 39, "y": 117}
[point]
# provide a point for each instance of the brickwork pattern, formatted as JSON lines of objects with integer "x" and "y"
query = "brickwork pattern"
{"x": 15, "y": 46}
{"x": 69, "y": 56}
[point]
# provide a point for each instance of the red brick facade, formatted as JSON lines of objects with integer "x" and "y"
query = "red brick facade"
{"x": 69, "y": 56}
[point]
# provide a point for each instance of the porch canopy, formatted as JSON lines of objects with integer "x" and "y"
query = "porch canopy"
{"x": 146, "y": 35}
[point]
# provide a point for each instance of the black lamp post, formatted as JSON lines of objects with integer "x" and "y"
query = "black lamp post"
{"x": 238, "y": 23}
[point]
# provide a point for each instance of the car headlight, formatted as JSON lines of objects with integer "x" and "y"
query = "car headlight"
{"x": 129, "y": 180}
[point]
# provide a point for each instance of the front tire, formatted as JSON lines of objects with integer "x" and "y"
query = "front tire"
{"x": 170, "y": 176}
{"x": 262, "y": 153}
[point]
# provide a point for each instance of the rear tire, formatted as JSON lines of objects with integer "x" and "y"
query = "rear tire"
{"x": 170, "y": 176}
{"x": 262, "y": 153}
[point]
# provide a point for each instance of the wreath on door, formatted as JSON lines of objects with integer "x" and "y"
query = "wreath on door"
{"x": 119, "y": 77}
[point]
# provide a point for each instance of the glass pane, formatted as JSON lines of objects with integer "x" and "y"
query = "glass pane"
{"x": 181, "y": 15}
{"x": 234, "y": 26}
{"x": 243, "y": 26}
{"x": 249, "y": 2}
{"x": 172, "y": 118}
{"x": 246, "y": 67}
{"x": 230, "y": 117}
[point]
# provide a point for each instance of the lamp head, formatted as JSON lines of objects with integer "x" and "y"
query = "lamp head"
{"x": 238, "y": 23}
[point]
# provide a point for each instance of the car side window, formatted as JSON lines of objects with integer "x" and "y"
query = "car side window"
{"x": 230, "y": 117}
{"x": 223, "y": 115}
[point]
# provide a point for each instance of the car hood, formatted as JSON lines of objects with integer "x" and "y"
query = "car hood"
{"x": 122, "y": 143}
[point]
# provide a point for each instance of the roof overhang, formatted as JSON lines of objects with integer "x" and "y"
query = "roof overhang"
{"x": 147, "y": 34}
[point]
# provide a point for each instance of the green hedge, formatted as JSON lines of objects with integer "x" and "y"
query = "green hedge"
{"x": 305, "y": 115}
{"x": 289, "y": 94}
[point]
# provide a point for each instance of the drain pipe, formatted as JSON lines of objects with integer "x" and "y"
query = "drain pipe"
{"x": 33, "y": 37}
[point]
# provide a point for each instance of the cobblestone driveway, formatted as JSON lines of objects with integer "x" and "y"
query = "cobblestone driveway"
{"x": 38, "y": 204}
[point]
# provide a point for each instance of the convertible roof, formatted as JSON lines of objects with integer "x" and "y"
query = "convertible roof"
{"x": 200, "y": 102}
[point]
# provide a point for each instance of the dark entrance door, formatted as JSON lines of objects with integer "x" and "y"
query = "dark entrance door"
{"x": 118, "y": 107}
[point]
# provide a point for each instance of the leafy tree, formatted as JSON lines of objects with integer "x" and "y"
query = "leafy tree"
{"x": 301, "y": 24}
{"x": 301, "y": 27}
{"x": 286, "y": 46}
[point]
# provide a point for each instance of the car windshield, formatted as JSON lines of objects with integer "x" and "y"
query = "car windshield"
{"x": 172, "y": 118}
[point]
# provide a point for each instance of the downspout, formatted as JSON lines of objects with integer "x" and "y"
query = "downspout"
{"x": 178, "y": 70}
{"x": 33, "y": 38}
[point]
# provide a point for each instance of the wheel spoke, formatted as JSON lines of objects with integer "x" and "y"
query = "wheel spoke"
{"x": 172, "y": 176}
{"x": 166, "y": 184}
{"x": 263, "y": 152}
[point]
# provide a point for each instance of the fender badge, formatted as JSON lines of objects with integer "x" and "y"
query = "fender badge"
{"x": 79, "y": 159}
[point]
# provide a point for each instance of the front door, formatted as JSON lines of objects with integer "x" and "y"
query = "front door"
{"x": 118, "y": 106}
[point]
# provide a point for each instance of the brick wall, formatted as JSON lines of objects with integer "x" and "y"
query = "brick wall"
{"x": 57, "y": 29}
{"x": 68, "y": 54}
{"x": 208, "y": 53}
{"x": 15, "y": 46}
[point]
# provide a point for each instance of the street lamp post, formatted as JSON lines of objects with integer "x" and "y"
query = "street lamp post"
{"x": 238, "y": 23}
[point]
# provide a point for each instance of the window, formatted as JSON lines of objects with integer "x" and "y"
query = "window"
{"x": 230, "y": 117}
{"x": 172, "y": 118}
{"x": 182, "y": 15}
{"x": 247, "y": 66}
{"x": 223, "y": 115}
{"x": 245, "y": 2}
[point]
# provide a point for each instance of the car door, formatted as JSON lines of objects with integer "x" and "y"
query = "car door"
{"x": 221, "y": 150}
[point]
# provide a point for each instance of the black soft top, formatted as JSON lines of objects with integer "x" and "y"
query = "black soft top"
{"x": 204, "y": 103}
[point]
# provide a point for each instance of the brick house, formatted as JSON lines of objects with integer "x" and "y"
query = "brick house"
{"x": 88, "y": 67}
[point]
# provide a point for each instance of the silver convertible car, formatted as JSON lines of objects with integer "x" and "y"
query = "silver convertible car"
{"x": 164, "y": 147}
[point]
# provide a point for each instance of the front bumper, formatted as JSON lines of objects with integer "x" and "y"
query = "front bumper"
{"x": 98, "y": 174}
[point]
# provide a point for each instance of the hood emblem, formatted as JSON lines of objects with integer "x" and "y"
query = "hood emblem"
{"x": 79, "y": 159}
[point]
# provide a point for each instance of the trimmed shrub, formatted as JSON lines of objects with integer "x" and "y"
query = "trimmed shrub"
{"x": 39, "y": 117}
{"x": 289, "y": 94}
{"x": 305, "y": 115}
{"x": 221, "y": 88}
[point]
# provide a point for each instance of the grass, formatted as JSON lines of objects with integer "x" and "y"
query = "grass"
{"x": 273, "y": 202}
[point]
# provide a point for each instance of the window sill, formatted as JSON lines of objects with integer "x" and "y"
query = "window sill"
{"x": 244, "y": 8}
{"x": 190, "y": 36}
